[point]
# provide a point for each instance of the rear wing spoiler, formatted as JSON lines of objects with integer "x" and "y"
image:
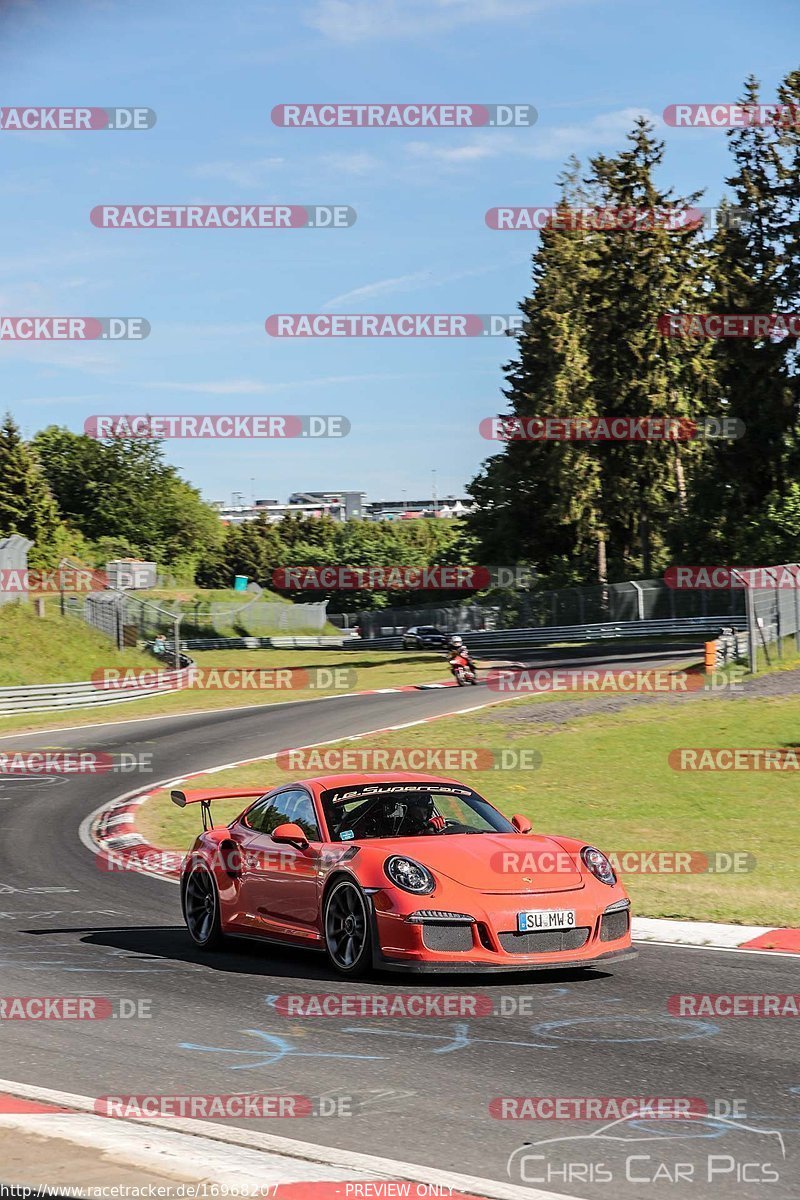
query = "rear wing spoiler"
{"x": 204, "y": 796}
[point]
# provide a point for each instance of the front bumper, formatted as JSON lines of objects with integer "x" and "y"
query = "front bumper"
{"x": 487, "y": 945}
{"x": 511, "y": 963}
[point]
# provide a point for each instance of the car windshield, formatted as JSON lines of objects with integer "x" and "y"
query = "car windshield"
{"x": 390, "y": 810}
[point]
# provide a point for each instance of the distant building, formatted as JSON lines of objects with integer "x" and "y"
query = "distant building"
{"x": 343, "y": 506}
{"x": 353, "y": 503}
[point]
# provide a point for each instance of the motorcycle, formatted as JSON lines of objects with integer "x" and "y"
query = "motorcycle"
{"x": 462, "y": 670}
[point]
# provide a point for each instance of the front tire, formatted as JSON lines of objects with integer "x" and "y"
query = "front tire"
{"x": 201, "y": 909}
{"x": 347, "y": 927}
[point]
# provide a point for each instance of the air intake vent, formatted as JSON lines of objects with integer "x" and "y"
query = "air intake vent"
{"x": 454, "y": 938}
{"x": 614, "y": 925}
{"x": 544, "y": 941}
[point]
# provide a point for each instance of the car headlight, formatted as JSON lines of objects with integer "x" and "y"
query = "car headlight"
{"x": 599, "y": 865}
{"x": 409, "y": 875}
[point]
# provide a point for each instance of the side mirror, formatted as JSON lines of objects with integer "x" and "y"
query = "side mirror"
{"x": 521, "y": 824}
{"x": 291, "y": 834}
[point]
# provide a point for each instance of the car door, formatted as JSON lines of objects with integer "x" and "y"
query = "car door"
{"x": 279, "y": 883}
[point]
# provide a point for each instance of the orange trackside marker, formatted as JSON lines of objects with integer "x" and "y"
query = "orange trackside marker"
{"x": 711, "y": 656}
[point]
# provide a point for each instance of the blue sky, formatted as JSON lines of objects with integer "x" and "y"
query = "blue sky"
{"x": 213, "y": 73}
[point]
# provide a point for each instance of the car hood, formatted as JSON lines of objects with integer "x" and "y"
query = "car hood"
{"x": 499, "y": 863}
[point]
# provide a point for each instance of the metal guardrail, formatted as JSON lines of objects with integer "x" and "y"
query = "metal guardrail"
{"x": 57, "y": 697}
{"x": 506, "y": 639}
{"x": 309, "y": 642}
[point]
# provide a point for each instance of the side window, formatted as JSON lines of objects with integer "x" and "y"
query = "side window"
{"x": 293, "y": 806}
{"x": 256, "y": 817}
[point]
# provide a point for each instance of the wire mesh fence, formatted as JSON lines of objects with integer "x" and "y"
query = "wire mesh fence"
{"x": 634, "y": 600}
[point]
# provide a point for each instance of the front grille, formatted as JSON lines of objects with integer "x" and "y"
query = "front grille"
{"x": 545, "y": 941}
{"x": 614, "y": 925}
{"x": 454, "y": 938}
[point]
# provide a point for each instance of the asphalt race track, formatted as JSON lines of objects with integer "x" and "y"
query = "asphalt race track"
{"x": 417, "y": 1090}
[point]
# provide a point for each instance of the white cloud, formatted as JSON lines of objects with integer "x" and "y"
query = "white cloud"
{"x": 246, "y": 173}
{"x": 411, "y": 283}
{"x": 350, "y": 21}
{"x": 382, "y": 287}
{"x": 602, "y": 132}
{"x": 357, "y": 163}
{"x": 223, "y": 387}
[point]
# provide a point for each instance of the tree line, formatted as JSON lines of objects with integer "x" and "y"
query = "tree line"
{"x": 96, "y": 500}
{"x": 592, "y": 347}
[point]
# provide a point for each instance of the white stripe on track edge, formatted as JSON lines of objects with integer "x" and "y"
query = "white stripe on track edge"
{"x": 281, "y": 1156}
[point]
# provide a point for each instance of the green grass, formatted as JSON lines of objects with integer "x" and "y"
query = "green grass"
{"x": 54, "y": 649}
{"x": 606, "y": 779}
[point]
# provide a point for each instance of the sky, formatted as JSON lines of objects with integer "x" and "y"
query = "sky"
{"x": 213, "y": 73}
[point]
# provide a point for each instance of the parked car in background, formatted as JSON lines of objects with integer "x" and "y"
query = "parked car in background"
{"x": 424, "y": 637}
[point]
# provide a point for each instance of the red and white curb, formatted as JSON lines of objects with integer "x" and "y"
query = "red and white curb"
{"x": 258, "y": 1164}
{"x": 716, "y": 936}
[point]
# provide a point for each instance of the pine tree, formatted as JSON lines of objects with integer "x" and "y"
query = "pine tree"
{"x": 755, "y": 269}
{"x": 539, "y": 501}
{"x": 640, "y": 275}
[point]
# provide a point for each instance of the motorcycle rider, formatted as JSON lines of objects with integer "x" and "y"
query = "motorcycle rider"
{"x": 456, "y": 649}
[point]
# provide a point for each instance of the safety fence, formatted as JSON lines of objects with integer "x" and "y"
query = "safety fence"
{"x": 772, "y": 601}
{"x": 693, "y": 628}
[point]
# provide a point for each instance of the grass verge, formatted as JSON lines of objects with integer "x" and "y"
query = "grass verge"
{"x": 607, "y": 778}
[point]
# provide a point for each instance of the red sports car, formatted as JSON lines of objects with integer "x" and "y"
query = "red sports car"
{"x": 400, "y": 872}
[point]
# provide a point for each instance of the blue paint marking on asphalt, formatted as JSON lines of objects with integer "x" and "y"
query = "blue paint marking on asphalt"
{"x": 457, "y": 1040}
{"x": 671, "y": 1027}
{"x": 281, "y": 1048}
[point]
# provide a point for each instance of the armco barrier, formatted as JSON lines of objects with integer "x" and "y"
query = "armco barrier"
{"x": 310, "y": 642}
{"x": 57, "y": 697}
{"x": 520, "y": 639}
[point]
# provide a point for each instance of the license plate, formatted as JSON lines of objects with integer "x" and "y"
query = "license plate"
{"x": 545, "y": 918}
